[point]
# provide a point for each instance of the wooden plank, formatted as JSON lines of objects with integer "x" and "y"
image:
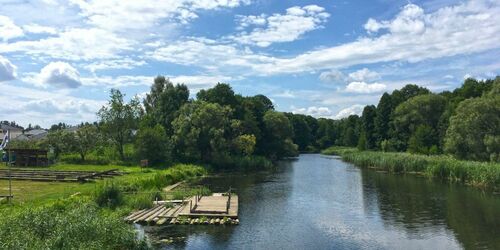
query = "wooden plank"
{"x": 146, "y": 215}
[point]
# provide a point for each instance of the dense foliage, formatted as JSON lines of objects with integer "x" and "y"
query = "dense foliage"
{"x": 226, "y": 130}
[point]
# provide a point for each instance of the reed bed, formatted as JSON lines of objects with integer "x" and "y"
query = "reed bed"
{"x": 479, "y": 174}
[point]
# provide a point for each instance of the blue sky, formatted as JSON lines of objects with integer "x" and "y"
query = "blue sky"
{"x": 58, "y": 59}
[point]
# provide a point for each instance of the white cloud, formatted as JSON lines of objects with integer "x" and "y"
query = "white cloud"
{"x": 314, "y": 111}
{"x": 118, "y": 15}
{"x": 123, "y": 63}
{"x": 365, "y": 88}
{"x": 39, "y": 29}
{"x": 285, "y": 94}
{"x": 29, "y": 105}
{"x": 7, "y": 69}
{"x": 8, "y": 29}
{"x": 74, "y": 44}
{"x": 332, "y": 76}
{"x": 355, "y": 109}
{"x": 409, "y": 20}
{"x": 281, "y": 27}
{"x": 364, "y": 75}
{"x": 194, "y": 82}
{"x": 209, "y": 54}
{"x": 461, "y": 29}
{"x": 56, "y": 74}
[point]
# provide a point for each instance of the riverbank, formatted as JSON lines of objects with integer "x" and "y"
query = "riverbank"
{"x": 85, "y": 216}
{"x": 478, "y": 174}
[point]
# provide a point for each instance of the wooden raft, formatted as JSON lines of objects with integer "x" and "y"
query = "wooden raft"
{"x": 217, "y": 209}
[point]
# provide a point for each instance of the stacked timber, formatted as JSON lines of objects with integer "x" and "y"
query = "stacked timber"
{"x": 56, "y": 175}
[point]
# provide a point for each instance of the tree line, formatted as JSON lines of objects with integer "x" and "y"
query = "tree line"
{"x": 224, "y": 129}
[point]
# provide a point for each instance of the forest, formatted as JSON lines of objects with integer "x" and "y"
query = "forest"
{"x": 228, "y": 130}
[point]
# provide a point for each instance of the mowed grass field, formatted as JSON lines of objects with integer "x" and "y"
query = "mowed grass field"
{"x": 35, "y": 191}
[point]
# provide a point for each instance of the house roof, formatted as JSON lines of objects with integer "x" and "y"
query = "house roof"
{"x": 8, "y": 127}
{"x": 35, "y": 132}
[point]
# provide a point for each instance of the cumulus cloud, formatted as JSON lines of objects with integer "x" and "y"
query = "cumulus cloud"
{"x": 7, "y": 70}
{"x": 409, "y": 20}
{"x": 352, "y": 110}
{"x": 194, "y": 82}
{"x": 121, "y": 63}
{"x": 281, "y": 27}
{"x": 364, "y": 75}
{"x": 57, "y": 74}
{"x": 365, "y": 88}
{"x": 118, "y": 15}
{"x": 412, "y": 36}
{"x": 314, "y": 111}
{"x": 73, "y": 44}
{"x": 8, "y": 29}
{"x": 39, "y": 29}
{"x": 465, "y": 28}
{"x": 332, "y": 76}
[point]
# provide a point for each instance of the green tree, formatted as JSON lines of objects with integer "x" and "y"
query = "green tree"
{"x": 153, "y": 144}
{"x": 423, "y": 140}
{"x": 60, "y": 141}
{"x": 221, "y": 93}
{"x": 245, "y": 144}
{"x": 474, "y": 129}
{"x": 163, "y": 102}
{"x": 419, "y": 110}
{"x": 278, "y": 133}
{"x": 87, "y": 138}
{"x": 302, "y": 135}
{"x": 118, "y": 119}
{"x": 368, "y": 126}
{"x": 201, "y": 131}
{"x": 383, "y": 118}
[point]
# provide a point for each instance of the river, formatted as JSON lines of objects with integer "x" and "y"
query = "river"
{"x": 321, "y": 202}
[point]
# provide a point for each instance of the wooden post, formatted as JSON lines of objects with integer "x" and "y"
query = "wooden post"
{"x": 10, "y": 178}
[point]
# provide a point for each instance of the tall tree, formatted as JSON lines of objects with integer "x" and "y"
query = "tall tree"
{"x": 368, "y": 126}
{"x": 86, "y": 139}
{"x": 475, "y": 129}
{"x": 201, "y": 131}
{"x": 278, "y": 132}
{"x": 163, "y": 102}
{"x": 118, "y": 119}
{"x": 419, "y": 110}
{"x": 383, "y": 118}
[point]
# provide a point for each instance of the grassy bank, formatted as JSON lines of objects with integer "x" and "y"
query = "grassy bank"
{"x": 479, "y": 174}
{"x": 84, "y": 216}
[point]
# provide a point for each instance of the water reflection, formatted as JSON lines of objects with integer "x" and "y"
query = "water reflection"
{"x": 323, "y": 203}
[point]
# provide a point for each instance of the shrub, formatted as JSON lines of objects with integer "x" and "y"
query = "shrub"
{"x": 108, "y": 195}
{"x": 67, "y": 224}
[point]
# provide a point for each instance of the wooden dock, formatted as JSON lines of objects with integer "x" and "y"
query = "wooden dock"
{"x": 218, "y": 209}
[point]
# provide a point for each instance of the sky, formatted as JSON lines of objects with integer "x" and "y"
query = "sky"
{"x": 59, "y": 59}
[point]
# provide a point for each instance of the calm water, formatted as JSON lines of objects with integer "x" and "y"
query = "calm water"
{"x": 319, "y": 202}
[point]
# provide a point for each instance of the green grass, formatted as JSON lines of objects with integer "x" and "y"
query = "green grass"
{"x": 479, "y": 174}
{"x": 75, "y": 223}
{"x": 52, "y": 215}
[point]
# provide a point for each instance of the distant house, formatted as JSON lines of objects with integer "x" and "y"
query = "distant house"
{"x": 36, "y": 134}
{"x": 71, "y": 129}
{"x": 14, "y": 131}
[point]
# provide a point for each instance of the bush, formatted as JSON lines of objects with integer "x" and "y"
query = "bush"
{"x": 152, "y": 144}
{"x": 108, "y": 195}
{"x": 68, "y": 224}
